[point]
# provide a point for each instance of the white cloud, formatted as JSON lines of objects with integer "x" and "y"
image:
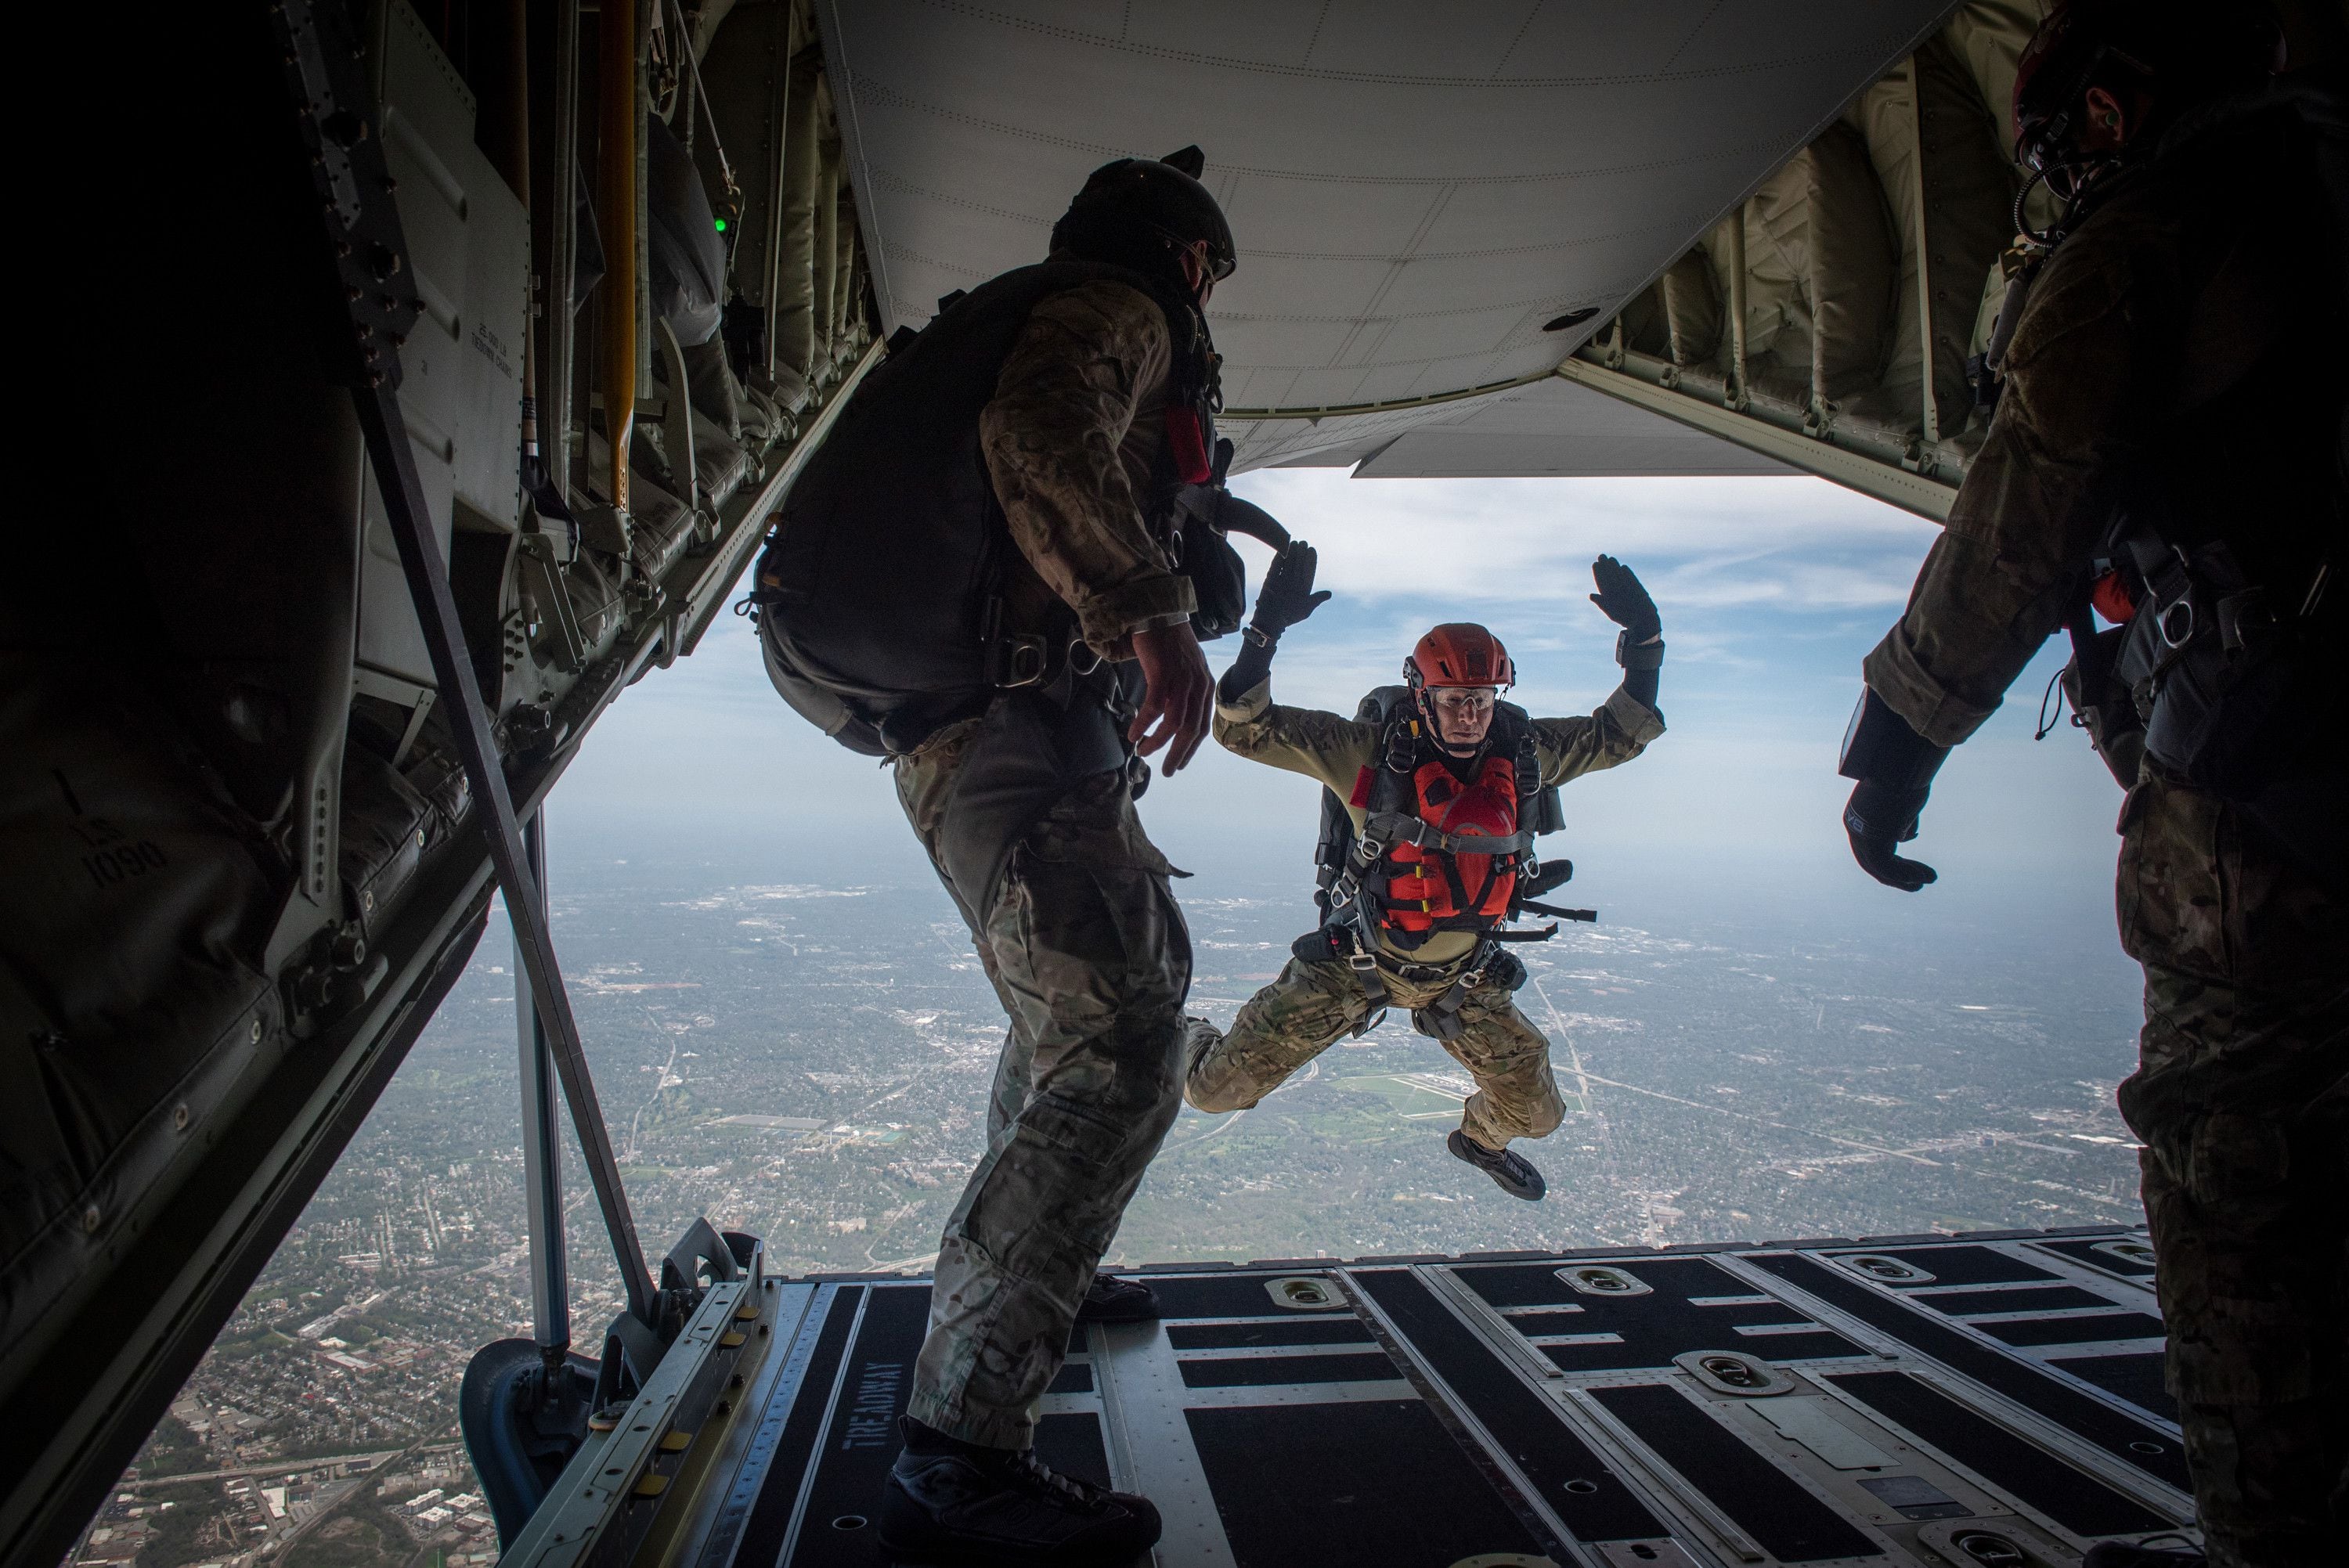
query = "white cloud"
{"x": 1772, "y": 591}
{"x": 1794, "y": 543}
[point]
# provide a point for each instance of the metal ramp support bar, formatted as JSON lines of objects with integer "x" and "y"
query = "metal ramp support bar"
{"x": 542, "y": 1144}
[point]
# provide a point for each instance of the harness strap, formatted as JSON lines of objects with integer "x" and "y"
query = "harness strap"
{"x": 1388, "y": 829}
{"x": 1440, "y": 1017}
{"x": 1461, "y": 901}
{"x": 1364, "y": 961}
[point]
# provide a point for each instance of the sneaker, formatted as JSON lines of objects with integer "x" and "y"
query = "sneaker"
{"x": 1110, "y": 1299}
{"x": 955, "y": 1502}
{"x": 1512, "y": 1172}
{"x": 2127, "y": 1554}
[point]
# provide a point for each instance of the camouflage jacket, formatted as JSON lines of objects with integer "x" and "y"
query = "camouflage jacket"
{"x": 2165, "y": 356}
{"x": 1333, "y": 751}
{"x": 1073, "y": 440}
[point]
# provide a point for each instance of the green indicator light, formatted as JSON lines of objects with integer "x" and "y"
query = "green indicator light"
{"x": 722, "y": 225}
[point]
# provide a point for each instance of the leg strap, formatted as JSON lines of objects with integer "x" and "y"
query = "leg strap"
{"x": 1365, "y": 965}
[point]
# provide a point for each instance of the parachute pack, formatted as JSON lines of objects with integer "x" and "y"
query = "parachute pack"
{"x": 880, "y": 600}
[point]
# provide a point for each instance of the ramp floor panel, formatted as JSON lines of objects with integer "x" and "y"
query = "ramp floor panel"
{"x": 1785, "y": 1519}
{"x": 2110, "y": 1426}
{"x": 1960, "y": 1264}
{"x": 2046, "y": 1298}
{"x": 1997, "y": 1455}
{"x": 2115, "y": 1256}
{"x": 1685, "y": 1304}
{"x": 1384, "y": 1485}
{"x": 2136, "y": 1378}
{"x": 1730, "y": 1407}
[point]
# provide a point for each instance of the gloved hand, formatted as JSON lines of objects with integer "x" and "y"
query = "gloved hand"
{"x": 1288, "y": 595}
{"x": 1623, "y": 600}
{"x": 1879, "y": 816}
{"x": 1895, "y": 767}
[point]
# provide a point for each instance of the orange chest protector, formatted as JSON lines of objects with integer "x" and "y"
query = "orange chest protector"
{"x": 1433, "y": 889}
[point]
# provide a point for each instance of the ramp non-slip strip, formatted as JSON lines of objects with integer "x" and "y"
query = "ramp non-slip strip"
{"x": 838, "y": 1525}
{"x": 2136, "y": 1378}
{"x": 2090, "y": 1253}
{"x": 1372, "y": 1482}
{"x": 810, "y": 1398}
{"x": 1591, "y": 1499}
{"x": 2123, "y": 1436}
{"x": 1787, "y": 1521}
{"x": 1970, "y": 1264}
{"x": 2095, "y": 1329}
{"x": 1681, "y": 1312}
{"x": 2073, "y": 1498}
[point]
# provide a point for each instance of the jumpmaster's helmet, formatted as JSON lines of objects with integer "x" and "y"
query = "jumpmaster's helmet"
{"x": 2174, "y": 52}
{"x": 1149, "y": 202}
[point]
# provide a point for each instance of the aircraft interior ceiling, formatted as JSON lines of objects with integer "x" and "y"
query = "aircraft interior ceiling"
{"x": 1421, "y": 195}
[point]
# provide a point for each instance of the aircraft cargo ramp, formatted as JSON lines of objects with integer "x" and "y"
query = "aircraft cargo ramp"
{"x": 1988, "y": 1399}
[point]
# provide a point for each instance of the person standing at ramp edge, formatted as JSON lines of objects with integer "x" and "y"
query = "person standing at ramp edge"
{"x": 995, "y": 573}
{"x": 2170, "y": 449}
{"x": 1434, "y": 794}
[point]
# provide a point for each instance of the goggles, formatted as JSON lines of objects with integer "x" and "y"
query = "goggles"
{"x": 1458, "y": 702}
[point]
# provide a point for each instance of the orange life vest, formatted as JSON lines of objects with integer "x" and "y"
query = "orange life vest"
{"x": 1434, "y": 852}
{"x": 1431, "y": 890}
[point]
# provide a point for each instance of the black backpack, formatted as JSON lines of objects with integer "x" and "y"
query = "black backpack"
{"x": 879, "y": 595}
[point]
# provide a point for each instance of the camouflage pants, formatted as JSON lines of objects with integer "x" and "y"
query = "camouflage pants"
{"x": 1087, "y": 950}
{"x": 2242, "y": 1098}
{"x": 1314, "y": 1003}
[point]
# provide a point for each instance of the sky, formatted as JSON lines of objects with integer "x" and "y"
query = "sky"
{"x": 1771, "y": 589}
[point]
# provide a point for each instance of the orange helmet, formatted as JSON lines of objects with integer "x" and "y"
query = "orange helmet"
{"x": 1459, "y": 654}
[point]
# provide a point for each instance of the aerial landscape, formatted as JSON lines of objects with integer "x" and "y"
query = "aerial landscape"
{"x": 807, "y": 1061}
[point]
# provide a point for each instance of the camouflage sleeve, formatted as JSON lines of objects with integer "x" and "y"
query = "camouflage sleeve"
{"x": 1085, "y": 362}
{"x": 1616, "y": 731}
{"x": 2084, "y": 376}
{"x": 1321, "y": 745}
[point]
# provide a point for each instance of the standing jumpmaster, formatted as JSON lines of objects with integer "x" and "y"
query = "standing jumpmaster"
{"x": 1444, "y": 789}
{"x": 2170, "y": 449}
{"x": 994, "y": 574}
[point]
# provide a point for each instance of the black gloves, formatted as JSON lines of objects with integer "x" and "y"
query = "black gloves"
{"x": 1288, "y": 595}
{"x": 1895, "y": 767}
{"x": 1879, "y": 816}
{"x": 1622, "y": 600}
{"x": 1286, "y": 598}
{"x": 1640, "y": 649}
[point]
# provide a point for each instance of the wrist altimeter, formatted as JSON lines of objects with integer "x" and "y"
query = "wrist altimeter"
{"x": 1633, "y": 653}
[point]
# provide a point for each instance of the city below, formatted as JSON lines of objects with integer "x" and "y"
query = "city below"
{"x": 809, "y": 1062}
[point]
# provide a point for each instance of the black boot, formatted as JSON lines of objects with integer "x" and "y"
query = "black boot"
{"x": 1512, "y": 1172}
{"x": 1110, "y": 1299}
{"x": 956, "y": 1502}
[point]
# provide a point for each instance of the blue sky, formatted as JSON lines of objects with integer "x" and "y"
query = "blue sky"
{"x": 1771, "y": 589}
